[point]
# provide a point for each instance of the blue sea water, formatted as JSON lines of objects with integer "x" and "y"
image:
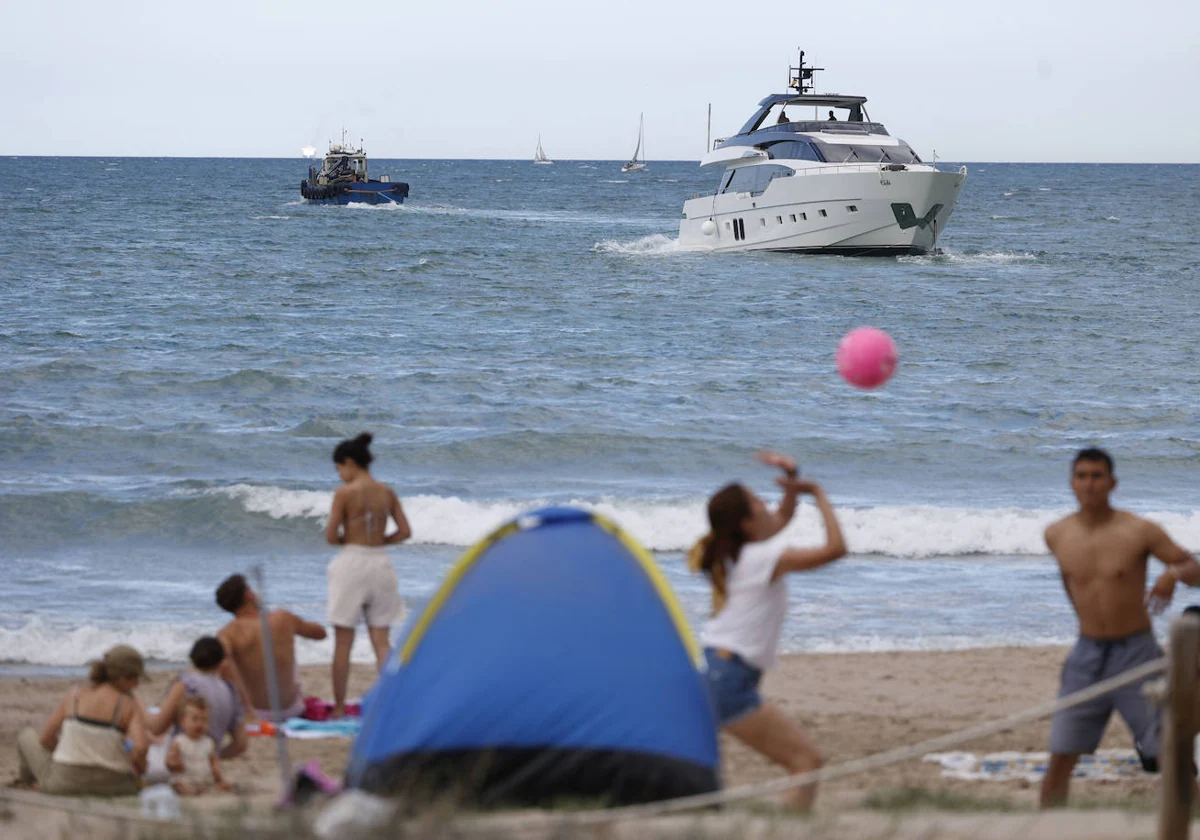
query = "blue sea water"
{"x": 183, "y": 342}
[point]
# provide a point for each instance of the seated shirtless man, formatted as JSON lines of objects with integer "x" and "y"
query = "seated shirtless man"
{"x": 1102, "y": 555}
{"x": 242, "y": 639}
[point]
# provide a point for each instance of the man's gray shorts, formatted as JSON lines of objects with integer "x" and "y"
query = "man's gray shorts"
{"x": 1079, "y": 729}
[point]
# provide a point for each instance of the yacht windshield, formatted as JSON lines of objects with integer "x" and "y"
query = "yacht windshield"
{"x": 793, "y": 150}
{"x": 854, "y": 153}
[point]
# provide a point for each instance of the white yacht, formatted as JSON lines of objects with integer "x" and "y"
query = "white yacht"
{"x": 812, "y": 173}
{"x": 540, "y": 155}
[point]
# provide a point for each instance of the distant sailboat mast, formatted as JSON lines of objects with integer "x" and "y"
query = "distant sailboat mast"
{"x": 540, "y": 155}
{"x": 640, "y": 151}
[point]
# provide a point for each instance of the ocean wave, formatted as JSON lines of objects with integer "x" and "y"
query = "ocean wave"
{"x": 265, "y": 218}
{"x": 655, "y": 245}
{"x": 913, "y": 531}
{"x": 51, "y": 643}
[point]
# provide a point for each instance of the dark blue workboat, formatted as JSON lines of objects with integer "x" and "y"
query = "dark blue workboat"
{"x": 343, "y": 179}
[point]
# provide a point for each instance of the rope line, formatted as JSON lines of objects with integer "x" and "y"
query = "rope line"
{"x": 484, "y": 825}
{"x": 854, "y": 766}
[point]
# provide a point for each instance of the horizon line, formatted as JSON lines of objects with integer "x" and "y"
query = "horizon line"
{"x": 574, "y": 160}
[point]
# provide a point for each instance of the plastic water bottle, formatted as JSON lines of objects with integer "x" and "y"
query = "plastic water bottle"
{"x": 159, "y": 802}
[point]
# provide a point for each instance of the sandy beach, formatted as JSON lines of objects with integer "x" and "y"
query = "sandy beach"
{"x": 852, "y": 704}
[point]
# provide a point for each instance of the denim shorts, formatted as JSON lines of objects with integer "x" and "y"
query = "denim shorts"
{"x": 732, "y": 685}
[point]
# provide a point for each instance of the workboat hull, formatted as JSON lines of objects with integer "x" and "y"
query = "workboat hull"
{"x": 855, "y": 210}
{"x": 361, "y": 192}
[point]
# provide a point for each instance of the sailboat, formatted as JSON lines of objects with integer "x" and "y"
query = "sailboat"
{"x": 540, "y": 155}
{"x": 634, "y": 164}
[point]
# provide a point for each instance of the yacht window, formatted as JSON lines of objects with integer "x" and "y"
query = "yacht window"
{"x": 851, "y": 208}
{"x": 754, "y": 179}
{"x": 779, "y": 220}
{"x": 804, "y": 217}
{"x": 822, "y": 212}
{"x": 794, "y": 150}
{"x": 793, "y": 216}
{"x": 762, "y": 222}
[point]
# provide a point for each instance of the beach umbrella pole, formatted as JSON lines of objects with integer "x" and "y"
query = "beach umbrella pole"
{"x": 285, "y": 764}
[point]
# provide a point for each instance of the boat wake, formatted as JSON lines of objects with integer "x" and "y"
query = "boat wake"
{"x": 954, "y": 258}
{"x": 655, "y": 245}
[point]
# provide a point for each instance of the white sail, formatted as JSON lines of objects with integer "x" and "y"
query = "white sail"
{"x": 540, "y": 155}
{"x": 634, "y": 163}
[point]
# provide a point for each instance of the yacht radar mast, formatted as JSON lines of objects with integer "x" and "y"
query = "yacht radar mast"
{"x": 800, "y": 79}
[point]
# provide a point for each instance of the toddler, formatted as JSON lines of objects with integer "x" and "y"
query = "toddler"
{"x": 192, "y": 756}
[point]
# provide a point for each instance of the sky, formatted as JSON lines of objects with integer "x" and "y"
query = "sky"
{"x": 975, "y": 80}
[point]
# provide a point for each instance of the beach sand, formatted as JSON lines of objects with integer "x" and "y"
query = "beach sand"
{"x": 852, "y": 704}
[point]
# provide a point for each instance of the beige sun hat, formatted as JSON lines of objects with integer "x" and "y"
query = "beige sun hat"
{"x": 124, "y": 661}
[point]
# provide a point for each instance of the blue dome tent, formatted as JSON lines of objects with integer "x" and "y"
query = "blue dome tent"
{"x": 553, "y": 664}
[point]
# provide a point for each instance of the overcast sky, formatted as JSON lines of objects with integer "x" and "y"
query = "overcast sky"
{"x": 1052, "y": 80}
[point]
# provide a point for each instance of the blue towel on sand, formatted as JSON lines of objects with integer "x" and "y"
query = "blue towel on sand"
{"x": 341, "y": 728}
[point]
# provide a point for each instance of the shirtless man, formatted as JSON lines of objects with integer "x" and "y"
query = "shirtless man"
{"x": 242, "y": 639}
{"x": 1102, "y": 554}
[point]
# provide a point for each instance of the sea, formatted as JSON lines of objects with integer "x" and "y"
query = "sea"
{"x": 184, "y": 341}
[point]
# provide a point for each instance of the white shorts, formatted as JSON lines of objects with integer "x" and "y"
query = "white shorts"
{"x": 363, "y": 584}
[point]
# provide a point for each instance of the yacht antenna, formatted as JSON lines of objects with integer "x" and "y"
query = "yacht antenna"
{"x": 800, "y": 79}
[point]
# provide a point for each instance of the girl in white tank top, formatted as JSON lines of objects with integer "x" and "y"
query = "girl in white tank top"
{"x": 747, "y": 559}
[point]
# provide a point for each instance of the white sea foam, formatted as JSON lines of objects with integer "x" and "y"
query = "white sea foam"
{"x": 1112, "y": 218}
{"x": 912, "y": 531}
{"x": 51, "y": 645}
{"x": 883, "y": 644}
{"x": 655, "y": 245}
{"x": 264, "y": 218}
{"x": 383, "y": 205}
{"x": 955, "y": 258}
{"x": 40, "y": 642}
{"x": 617, "y": 181}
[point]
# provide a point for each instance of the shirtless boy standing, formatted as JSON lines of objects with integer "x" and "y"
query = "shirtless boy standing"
{"x": 1102, "y": 554}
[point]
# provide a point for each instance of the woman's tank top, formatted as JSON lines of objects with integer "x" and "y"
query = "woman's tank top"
{"x": 84, "y": 742}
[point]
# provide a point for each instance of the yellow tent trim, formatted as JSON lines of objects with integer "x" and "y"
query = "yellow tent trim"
{"x": 660, "y": 584}
{"x": 464, "y": 564}
{"x": 457, "y": 573}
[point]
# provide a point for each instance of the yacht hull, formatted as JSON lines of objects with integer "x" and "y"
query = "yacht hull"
{"x": 870, "y": 211}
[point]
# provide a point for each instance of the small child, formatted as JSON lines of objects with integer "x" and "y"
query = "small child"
{"x": 192, "y": 756}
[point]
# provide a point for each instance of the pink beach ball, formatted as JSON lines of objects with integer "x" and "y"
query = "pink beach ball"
{"x": 866, "y": 357}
